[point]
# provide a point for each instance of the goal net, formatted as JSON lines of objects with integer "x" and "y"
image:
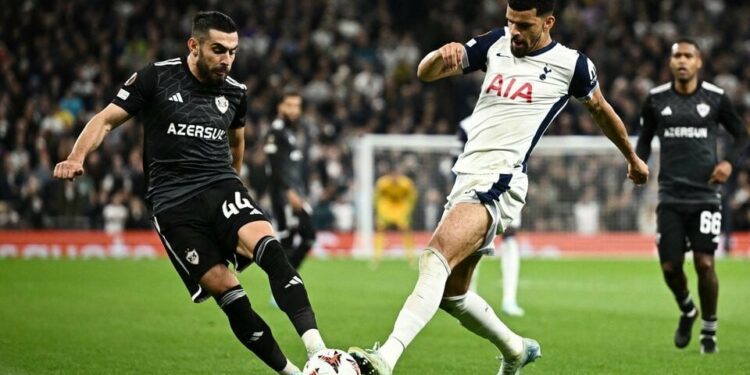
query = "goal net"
{"x": 579, "y": 198}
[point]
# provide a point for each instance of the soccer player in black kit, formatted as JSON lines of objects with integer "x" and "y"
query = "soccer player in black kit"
{"x": 193, "y": 120}
{"x": 686, "y": 114}
{"x": 287, "y": 157}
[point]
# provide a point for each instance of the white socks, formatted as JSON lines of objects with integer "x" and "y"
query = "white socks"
{"x": 511, "y": 265}
{"x": 313, "y": 342}
{"x": 420, "y": 306}
{"x": 290, "y": 369}
{"x": 477, "y": 316}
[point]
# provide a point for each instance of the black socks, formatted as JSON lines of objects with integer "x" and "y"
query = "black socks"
{"x": 250, "y": 328}
{"x": 286, "y": 284}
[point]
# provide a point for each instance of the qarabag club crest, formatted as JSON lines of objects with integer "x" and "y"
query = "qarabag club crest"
{"x": 703, "y": 109}
{"x": 222, "y": 103}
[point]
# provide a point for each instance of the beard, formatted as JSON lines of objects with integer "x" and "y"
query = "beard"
{"x": 208, "y": 75}
{"x": 525, "y": 47}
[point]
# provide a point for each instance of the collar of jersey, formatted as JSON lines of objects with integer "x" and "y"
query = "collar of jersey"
{"x": 543, "y": 50}
{"x": 697, "y": 88}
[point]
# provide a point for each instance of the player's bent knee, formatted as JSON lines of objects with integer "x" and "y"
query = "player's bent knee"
{"x": 250, "y": 236}
{"x": 431, "y": 261}
{"x": 218, "y": 280}
{"x": 703, "y": 265}
{"x": 670, "y": 268}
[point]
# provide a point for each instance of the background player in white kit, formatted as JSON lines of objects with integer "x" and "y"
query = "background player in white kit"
{"x": 511, "y": 267}
{"x": 529, "y": 80}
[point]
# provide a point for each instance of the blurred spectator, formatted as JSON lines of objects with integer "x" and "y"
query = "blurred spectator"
{"x": 586, "y": 212}
{"x": 115, "y": 214}
{"x": 61, "y": 61}
{"x": 343, "y": 213}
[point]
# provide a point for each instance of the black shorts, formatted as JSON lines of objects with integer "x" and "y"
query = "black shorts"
{"x": 202, "y": 232}
{"x": 683, "y": 227}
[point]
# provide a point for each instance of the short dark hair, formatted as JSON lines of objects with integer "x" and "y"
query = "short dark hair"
{"x": 207, "y": 20}
{"x": 543, "y": 7}
{"x": 689, "y": 41}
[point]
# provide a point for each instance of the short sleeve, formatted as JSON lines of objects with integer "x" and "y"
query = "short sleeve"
{"x": 584, "y": 79}
{"x": 239, "y": 116}
{"x": 475, "y": 56}
{"x": 137, "y": 90}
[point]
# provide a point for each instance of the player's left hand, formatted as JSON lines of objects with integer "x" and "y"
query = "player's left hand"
{"x": 721, "y": 172}
{"x": 638, "y": 171}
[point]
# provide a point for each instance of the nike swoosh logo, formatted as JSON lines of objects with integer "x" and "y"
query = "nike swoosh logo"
{"x": 501, "y": 55}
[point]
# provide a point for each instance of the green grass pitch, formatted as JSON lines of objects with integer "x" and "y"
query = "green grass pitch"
{"x": 134, "y": 317}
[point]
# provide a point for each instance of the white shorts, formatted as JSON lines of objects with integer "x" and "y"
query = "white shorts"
{"x": 503, "y": 195}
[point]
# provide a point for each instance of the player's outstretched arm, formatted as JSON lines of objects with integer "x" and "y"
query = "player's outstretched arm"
{"x": 443, "y": 62}
{"x": 91, "y": 137}
{"x": 614, "y": 129}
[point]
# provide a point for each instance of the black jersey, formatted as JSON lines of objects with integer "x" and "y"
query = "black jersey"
{"x": 688, "y": 126}
{"x": 287, "y": 156}
{"x": 185, "y": 122}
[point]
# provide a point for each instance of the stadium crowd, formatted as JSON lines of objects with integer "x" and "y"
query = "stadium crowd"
{"x": 354, "y": 62}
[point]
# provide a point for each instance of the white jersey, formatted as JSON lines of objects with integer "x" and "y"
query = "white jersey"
{"x": 519, "y": 99}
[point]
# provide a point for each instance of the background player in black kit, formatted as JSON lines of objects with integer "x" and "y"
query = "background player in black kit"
{"x": 287, "y": 149}
{"x": 193, "y": 118}
{"x": 685, "y": 114}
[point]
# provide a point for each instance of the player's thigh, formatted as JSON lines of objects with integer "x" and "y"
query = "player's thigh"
{"x": 671, "y": 239}
{"x": 460, "y": 277}
{"x": 462, "y": 231}
{"x": 493, "y": 201}
{"x": 249, "y": 235}
{"x": 239, "y": 222}
{"x": 189, "y": 241}
{"x": 703, "y": 228}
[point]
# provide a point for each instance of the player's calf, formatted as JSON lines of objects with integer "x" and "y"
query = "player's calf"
{"x": 289, "y": 291}
{"x": 252, "y": 331}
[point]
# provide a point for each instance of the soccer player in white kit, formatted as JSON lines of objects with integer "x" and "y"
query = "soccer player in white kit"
{"x": 528, "y": 82}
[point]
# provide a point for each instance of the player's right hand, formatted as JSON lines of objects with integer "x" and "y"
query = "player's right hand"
{"x": 638, "y": 171}
{"x": 68, "y": 170}
{"x": 452, "y": 54}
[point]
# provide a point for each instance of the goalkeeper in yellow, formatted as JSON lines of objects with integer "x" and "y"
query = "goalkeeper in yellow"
{"x": 395, "y": 196}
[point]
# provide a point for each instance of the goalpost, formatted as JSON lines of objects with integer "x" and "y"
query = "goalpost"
{"x": 578, "y": 190}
